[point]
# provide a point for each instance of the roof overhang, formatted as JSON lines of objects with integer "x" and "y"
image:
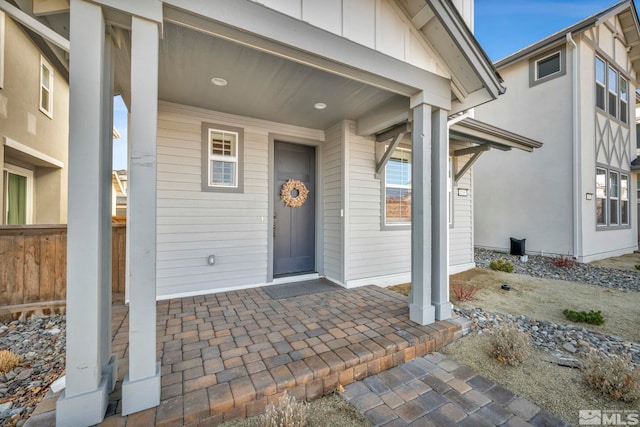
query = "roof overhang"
{"x": 480, "y": 133}
{"x": 626, "y": 12}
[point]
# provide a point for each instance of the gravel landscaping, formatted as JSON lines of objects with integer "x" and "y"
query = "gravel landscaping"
{"x": 542, "y": 266}
{"x": 41, "y": 341}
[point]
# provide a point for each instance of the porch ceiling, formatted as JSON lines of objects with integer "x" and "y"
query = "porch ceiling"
{"x": 259, "y": 85}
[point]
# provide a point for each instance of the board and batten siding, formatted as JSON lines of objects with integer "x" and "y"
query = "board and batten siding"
{"x": 377, "y": 24}
{"x": 332, "y": 206}
{"x": 192, "y": 224}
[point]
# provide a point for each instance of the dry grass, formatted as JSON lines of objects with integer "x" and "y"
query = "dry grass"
{"x": 8, "y": 361}
{"x": 613, "y": 376}
{"x": 563, "y": 261}
{"x": 288, "y": 413}
{"x": 510, "y": 345}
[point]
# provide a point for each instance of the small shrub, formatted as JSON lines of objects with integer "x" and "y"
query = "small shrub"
{"x": 637, "y": 266}
{"x": 510, "y": 345}
{"x": 288, "y": 413}
{"x": 564, "y": 261}
{"x": 501, "y": 265}
{"x": 613, "y": 376}
{"x": 464, "y": 292}
{"x": 8, "y": 361}
{"x": 592, "y": 317}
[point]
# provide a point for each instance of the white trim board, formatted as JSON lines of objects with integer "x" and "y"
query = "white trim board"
{"x": 32, "y": 152}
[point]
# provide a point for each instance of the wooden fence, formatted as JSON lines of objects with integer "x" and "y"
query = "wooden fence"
{"x": 33, "y": 265}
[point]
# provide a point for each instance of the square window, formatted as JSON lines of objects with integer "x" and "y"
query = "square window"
{"x": 548, "y": 66}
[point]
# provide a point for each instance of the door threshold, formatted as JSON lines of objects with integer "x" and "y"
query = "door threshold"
{"x": 295, "y": 278}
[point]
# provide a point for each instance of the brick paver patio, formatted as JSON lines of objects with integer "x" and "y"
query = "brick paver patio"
{"x": 228, "y": 355}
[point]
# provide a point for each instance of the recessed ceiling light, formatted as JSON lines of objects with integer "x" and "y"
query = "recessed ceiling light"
{"x": 219, "y": 81}
{"x": 320, "y": 106}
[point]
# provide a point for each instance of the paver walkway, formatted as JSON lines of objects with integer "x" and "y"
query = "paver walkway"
{"x": 436, "y": 391}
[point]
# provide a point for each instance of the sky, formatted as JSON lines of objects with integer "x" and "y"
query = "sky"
{"x": 506, "y": 26}
{"x": 501, "y": 26}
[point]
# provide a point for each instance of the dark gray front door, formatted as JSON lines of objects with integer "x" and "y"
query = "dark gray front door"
{"x": 294, "y": 228}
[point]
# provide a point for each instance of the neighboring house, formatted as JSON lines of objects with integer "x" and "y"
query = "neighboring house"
{"x": 34, "y": 128}
{"x": 363, "y": 107}
{"x": 119, "y": 194}
{"x": 574, "y": 90}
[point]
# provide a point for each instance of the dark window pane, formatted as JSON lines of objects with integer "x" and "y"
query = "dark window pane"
{"x": 613, "y": 102}
{"x": 624, "y": 211}
{"x": 548, "y": 65}
{"x": 613, "y": 211}
{"x": 600, "y": 212}
{"x": 600, "y": 96}
{"x": 623, "y": 111}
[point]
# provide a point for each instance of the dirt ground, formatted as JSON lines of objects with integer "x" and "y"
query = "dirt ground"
{"x": 625, "y": 262}
{"x": 545, "y": 299}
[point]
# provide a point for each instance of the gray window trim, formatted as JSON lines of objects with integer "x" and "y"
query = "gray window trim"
{"x": 205, "y": 159}
{"x": 608, "y": 225}
{"x": 533, "y": 62}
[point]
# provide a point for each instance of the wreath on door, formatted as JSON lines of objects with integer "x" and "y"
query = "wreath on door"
{"x": 286, "y": 193}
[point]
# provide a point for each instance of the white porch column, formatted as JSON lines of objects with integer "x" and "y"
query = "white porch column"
{"x": 440, "y": 220}
{"x": 141, "y": 386}
{"x": 89, "y": 365}
{"x": 420, "y": 309}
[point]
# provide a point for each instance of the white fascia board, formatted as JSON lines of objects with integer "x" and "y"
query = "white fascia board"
{"x": 32, "y": 152}
{"x": 34, "y": 25}
{"x": 261, "y": 28}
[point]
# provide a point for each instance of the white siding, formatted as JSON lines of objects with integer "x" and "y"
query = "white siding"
{"x": 378, "y": 24}
{"x": 193, "y": 224}
{"x": 332, "y": 206}
{"x": 461, "y": 231}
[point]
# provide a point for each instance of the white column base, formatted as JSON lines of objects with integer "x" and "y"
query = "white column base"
{"x": 444, "y": 310}
{"x": 422, "y": 315}
{"x": 140, "y": 394}
{"x": 84, "y": 409}
{"x": 110, "y": 372}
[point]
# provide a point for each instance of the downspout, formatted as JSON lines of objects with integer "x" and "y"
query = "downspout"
{"x": 576, "y": 160}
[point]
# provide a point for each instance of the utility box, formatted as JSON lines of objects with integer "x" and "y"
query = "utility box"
{"x": 517, "y": 246}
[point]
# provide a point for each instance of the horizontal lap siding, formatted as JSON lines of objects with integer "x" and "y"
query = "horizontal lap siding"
{"x": 461, "y": 234}
{"x": 192, "y": 224}
{"x": 372, "y": 251}
{"x": 332, "y": 166}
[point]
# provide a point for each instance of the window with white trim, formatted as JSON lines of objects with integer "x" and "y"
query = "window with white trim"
{"x": 1, "y": 49}
{"x": 612, "y": 198}
{"x": 548, "y": 65}
{"x": 612, "y": 91}
{"x": 397, "y": 178}
{"x": 222, "y": 157}
{"x": 17, "y": 195}
{"x": 46, "y": 87}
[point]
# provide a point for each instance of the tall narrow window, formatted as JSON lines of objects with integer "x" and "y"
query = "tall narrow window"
{"x": 223, "y": 158}
{"x": 601, "y": 196}
{"x": 612, "y": 82}
{"x": 46, "y": 88}
{"x": 600, "y": 83}
{"x": 624, "y": 100}
{"x": 18, "y": 195}
{"x": 614, "y": 195}
{"x": 624, "y": 199}
{"x": 398, "y": 188}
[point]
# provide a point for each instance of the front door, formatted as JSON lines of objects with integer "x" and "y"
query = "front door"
{"x": 294, "y": 224}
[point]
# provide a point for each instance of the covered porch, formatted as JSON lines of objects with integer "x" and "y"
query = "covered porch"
{"x": 275, "y": 68}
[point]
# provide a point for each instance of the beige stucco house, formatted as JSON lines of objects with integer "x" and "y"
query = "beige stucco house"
{"x": 362, "y": 106}
{"x": 574, "y": 91}
{"x": 34, "y": 128}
